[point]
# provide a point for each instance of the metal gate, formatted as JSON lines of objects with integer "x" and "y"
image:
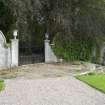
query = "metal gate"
{"x": 31, "y": 54}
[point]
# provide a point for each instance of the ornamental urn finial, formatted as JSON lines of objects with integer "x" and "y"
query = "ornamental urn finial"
{"x": 15, "y": 33}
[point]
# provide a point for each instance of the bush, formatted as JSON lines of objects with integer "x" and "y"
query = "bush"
{"x": 91, "y": 73}
{"x": 80, "y": 50}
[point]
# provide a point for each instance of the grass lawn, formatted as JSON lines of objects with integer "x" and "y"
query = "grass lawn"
{"x": 96, "y": 80}
{"x": 1, "y": 85}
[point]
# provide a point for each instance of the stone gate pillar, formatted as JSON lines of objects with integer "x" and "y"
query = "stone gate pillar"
{"x": 47, "y": 53}
{"x": 50, "y": 57}
{"x": 14, "y": 50}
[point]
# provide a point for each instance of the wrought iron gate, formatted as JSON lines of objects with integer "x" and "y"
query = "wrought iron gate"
{"x": 31, "y": 54}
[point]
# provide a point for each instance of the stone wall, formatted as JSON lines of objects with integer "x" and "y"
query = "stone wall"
{"x": 8, "y": 53}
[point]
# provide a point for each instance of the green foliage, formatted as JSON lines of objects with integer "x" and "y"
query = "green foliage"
{"x": 24, "y": 16}
{"x": 74, "y": 50}
{"x": 82, "y": 30}
{"x": 75, "y": 26}
{"x": 38, "y": 31}
{"x": 6, "y": 19}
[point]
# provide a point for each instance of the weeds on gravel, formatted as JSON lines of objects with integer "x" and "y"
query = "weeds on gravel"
{"x": 1, "y": 85}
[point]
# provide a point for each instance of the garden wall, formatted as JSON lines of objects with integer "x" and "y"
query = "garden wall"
{"x": 8, "y": 53}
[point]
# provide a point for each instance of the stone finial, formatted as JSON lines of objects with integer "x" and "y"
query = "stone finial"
{"x": 15, "y": 33}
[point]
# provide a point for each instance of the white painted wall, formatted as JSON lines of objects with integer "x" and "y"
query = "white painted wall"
{"x": 3, "y": 56}
{"x": 8, "y": 55}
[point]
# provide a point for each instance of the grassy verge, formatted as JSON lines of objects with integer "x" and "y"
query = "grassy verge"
{"x": 1, "y": 85}
{"x": 95, "y": 80}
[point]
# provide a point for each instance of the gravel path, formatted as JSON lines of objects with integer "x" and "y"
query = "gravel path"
{"x": 50, "y": 91}
{"x": 42, "y": 70}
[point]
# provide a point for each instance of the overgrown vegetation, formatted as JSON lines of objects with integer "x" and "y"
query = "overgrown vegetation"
{"x": 6, "y": 19}
{"x": 74, "y": 50}
{"x": 75, "y": 26}
{"x": 86, "y": 31}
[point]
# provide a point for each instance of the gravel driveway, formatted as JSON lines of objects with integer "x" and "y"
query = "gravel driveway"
{"x": 49, "y": 91}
